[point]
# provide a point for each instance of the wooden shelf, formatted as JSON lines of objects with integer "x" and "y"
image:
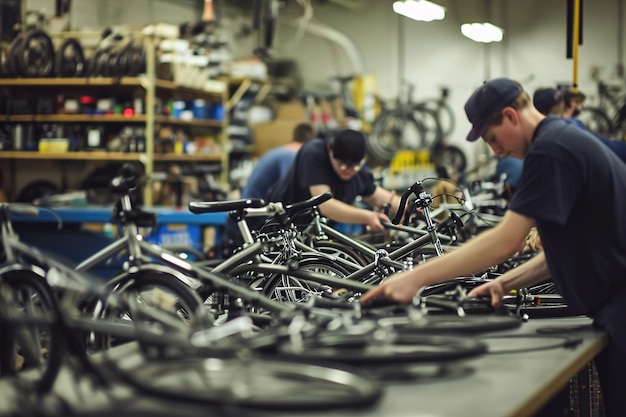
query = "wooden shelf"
{"x": 272, "y": 80}
{"x": 162, "y": 85}
{"x": 171, "y": 157}
{"x": 111, "y": 118}
{"x": 108, "y": 156}
{"x": 89, "y": 156}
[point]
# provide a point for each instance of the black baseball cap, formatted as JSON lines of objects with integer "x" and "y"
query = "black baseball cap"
{"x": 349, "y": 146}
{"x": 546, "y": 98}
{"x": 489, "y": 98}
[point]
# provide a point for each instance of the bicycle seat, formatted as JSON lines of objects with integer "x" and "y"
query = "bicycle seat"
{"x": 199, "y": 207}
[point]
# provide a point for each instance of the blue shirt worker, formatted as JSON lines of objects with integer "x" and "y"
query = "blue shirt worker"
{"x": 567, "y": 172}
{"x": 275, "y": 163}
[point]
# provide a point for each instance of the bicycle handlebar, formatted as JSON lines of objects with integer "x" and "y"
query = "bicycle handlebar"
{"x": 199, "y": 207}
{"x": 416, "y": 189}
{"x": 307, "y": 204}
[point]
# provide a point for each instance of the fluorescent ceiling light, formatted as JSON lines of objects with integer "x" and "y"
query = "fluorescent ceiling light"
{"x": 482, "y": 32}
{"x": 422, "y": 10}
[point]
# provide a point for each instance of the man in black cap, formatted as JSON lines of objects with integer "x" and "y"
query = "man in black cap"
{"x": 337, "y": 166}
{"x": 567, "y": 173}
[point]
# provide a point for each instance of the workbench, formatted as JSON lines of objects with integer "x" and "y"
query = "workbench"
{"x": 511, "y": 380}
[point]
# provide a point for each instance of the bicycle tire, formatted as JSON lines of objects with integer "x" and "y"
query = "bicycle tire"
{"x": 169, "y": 294}
{"x": 271, "y": 284}
{"x": 35, "y": 55}
{"x": 392, "y": 131}
{"x": 451, "y": 324}
{"x": 387, "y": 347}
{"x": 267, "y": 384}
{"x": 430, "y": 123}
{"x": 597, "y": 121}
{"x": 32, "y": 289}
{"x": 70, "y": 59}
{"x": 340, "y": 250}
{"x": 449, "y": 156}
{"x": 444, "y": 113}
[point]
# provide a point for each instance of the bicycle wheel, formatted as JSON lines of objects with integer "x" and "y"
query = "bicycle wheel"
{"x": 33, "y": 352}
{"x": 451, "y": 158}
{"x": 269, "y": 384}
{"x": 381, "y": 346}
{"x": 154, "y": 289}
{"x": 340, "y": 250}
{"x": 432, "y": 130}
{"x": 288, "y": 288}
{"x": 597, "y": 121}
{"x": 451, "y": 324}
{"x": 444, "y": 113}
{"x": 394, "y": 130}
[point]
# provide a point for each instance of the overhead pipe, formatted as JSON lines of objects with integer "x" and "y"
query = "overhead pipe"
{"x": 339, "y": 38}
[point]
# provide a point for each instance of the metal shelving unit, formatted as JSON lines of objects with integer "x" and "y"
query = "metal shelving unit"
{"x": 152, "y": 88}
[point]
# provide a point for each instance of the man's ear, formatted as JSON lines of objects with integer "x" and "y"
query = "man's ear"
{"x": 511, "y": 114}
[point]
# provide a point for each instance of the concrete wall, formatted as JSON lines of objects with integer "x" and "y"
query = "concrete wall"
{"x": 429, "y": 55}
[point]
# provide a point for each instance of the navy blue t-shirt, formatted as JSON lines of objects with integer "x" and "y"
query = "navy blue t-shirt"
{"x": 575, "y": 189}
{"x": 312, "y": 166}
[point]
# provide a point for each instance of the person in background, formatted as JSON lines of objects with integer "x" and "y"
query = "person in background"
{"x": 511, "y": 169}
{"x": 273, "y": 164}
{"x": 269, "y": 168}
{"x": 336, "y": 165}
{"x": 567, "y": 173}
{"x": 552, "y": 101}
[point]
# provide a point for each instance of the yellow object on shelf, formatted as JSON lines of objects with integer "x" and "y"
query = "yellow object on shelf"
{"x": 53, "y": 145}
{"x": 410, "y": 160}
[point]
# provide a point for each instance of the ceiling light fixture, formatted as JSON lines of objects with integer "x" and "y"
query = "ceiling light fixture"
{"x": 421, "y": 10}
{"x": 482, "y": 32}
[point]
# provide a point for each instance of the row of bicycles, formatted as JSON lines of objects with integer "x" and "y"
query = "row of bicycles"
{"x": 275, "y": 326}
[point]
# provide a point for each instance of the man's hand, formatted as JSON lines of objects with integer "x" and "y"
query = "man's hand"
{"x": 492, "y": 289}
{"x": 374, "y": 219}
{"x": 533, "y": 242}
{"x": 400, "y": 287}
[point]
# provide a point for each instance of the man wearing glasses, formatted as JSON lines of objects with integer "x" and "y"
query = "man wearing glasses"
{"x": 336, "y": 166}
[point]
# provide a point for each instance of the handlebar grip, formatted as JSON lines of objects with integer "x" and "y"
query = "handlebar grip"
{"x": 401, "y": 206}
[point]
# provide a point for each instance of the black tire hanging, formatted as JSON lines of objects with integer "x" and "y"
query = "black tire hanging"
{"x": 70, "y": 59}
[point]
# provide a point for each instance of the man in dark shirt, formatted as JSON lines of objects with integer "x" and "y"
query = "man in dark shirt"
{"x": 336, "y": 166}
{"x": 275, "y": 163}
{"x": 551, "y": 101}
{"x": 567, "y": 173}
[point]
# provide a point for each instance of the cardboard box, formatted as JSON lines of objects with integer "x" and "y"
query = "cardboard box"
{"x": 291, "y": 110}
{"x": 271, "y": 135}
